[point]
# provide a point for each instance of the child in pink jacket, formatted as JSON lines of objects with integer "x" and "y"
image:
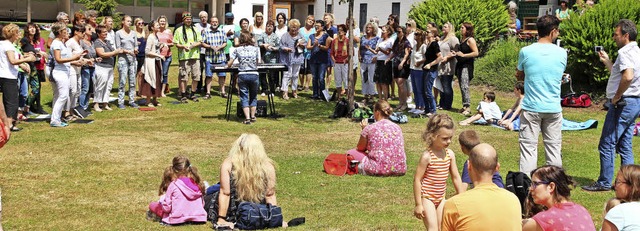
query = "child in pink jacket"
{"x": 181, "y": 195}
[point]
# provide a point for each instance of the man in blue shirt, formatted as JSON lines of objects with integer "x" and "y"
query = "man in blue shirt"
{"x": 541, "y": 66}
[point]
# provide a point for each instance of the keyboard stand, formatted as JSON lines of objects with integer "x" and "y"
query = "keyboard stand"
{"x": 234, "y": 79}
{"x": 272, "y": 106}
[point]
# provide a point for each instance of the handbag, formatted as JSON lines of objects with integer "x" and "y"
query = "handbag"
{"x": 340, "y": 164}
{"x": 251, "y": 216}
{"x": 4, "y": 137}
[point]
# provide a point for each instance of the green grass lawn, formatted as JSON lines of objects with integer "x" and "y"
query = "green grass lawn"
{"x": 102, "y": 176}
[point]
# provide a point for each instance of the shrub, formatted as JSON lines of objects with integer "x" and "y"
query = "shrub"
{"x": 489, "y": 17}
{"x": 497, "y": 66}
{"x": 593, "y": 28}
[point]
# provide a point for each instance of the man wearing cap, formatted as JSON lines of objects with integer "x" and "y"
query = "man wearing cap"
{"x": 229, "y": 28}
{"x": 187, "y": 40}
{"x": 200, "y": 27}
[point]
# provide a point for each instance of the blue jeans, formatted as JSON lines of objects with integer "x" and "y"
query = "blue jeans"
{"x": 248, "y": 84}
{"x": 22, "y": 89}
{"x": 86, "y": 74}
{"x": 127, "y": 71}
{"x": 318, "y": 71}
{"x": 617, "y": 134}
{"x": 430, "y": 101}
{"x": 165, "y": 70}
{"x": 417, "y": 82}
{"x": 446, "y": 98}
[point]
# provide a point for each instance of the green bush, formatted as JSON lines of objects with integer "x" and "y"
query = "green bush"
{"x": 593, "y": 28}
{"x": 489, "y": 17}
{"x": 497, "y": 67}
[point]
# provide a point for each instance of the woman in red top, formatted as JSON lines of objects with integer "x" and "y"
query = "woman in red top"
{"x": 339, "y": 56}
{"x": 32, "y": 34}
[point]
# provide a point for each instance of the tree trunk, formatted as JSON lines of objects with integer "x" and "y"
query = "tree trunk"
{"x": 352, "y": 82}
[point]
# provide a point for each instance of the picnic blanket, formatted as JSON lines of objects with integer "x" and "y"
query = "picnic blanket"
{"x": 567, "y": 125}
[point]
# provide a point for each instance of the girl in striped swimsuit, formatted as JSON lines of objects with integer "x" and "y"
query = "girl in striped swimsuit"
{"x": 436, "y": 163}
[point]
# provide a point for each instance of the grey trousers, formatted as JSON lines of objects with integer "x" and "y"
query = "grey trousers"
{"x": 531, "y": 124}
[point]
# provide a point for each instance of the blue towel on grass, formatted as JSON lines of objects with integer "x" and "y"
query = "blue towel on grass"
{"x": 567, "y": 125}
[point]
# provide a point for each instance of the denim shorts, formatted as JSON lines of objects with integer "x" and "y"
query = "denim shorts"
{"x": 208, "y": 69}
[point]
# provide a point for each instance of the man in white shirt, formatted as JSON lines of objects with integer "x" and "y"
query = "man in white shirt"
{"x": 623, "y": 92}
{"x": 204, "y": 18}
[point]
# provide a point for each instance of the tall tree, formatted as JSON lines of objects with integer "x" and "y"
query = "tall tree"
{"x": 352, "y": 83}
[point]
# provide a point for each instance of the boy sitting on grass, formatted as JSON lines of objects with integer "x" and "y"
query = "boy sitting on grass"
{"x": 469, "y": 139}
{"x": 488, "y": 111}
{"x": 511, "y": 118}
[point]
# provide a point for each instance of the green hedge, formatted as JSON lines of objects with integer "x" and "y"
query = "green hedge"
{"x": 489, "y": 17}
{"x": 497, "y": 67}
{"x": 593, "y": 28}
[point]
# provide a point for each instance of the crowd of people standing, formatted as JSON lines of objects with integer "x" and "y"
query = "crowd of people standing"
{"x": 84, "y": 57}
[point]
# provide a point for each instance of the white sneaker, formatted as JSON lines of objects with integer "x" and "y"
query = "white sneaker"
{"x": 418, "y": 111}
{"x": 411, "y": 105}
{"x": 413, "y": 110}
{"x": 263, "y": 94}
{"x": 409, "y": 99}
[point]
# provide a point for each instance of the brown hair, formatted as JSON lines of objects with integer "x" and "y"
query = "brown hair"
{"x": 422, "y": 35}
{"x": 383, "y": 107}
{"x": 271, "y": 22}
{"x": 468, "y": 139}
{"x": 181, "y": 167}
{"x": 245, "y": 39}
{"x": 469, "y": 27}
{"x": 631, "y": 174}
{"x": 435, "y": 31}
{"x": 77, "y": 17}
{"x": 490, "y": 95}
{"x": 434, "y": 124}
{"x": 554, "y": 174}
{"x": 167, "y": 178}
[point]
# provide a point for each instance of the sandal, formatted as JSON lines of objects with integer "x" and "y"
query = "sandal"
{"x": 15, "y": 129}
{"x": 207, "y": 96}
{"x": 246, "y": 121}
{"x": 184, "y": 100}
{"x": 223, "y": 95}
{"x": 253, "y": 119}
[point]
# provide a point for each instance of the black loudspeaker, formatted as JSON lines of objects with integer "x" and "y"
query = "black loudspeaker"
{"x": 261, "y": 110}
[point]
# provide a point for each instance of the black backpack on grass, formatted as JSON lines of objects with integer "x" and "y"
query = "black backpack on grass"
{"x": 341, "y": 109}
{"x": 518, "y": 183}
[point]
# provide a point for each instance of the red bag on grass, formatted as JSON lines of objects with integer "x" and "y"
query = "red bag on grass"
{"x": 340, "y": 164}
{"x": 3, "y": 135}
{"x": 576, "y": 100}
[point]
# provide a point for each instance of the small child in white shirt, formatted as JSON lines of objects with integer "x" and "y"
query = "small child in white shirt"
{"x": 488, "y": 111}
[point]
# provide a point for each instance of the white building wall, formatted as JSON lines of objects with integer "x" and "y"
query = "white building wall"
{"x": 244, "y": 9}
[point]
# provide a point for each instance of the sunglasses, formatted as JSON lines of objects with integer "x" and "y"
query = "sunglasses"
{"x": 535, "y": 184}
{"x": 140, "y": 23}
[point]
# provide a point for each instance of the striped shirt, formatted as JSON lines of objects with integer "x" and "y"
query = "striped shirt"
{"x": 214, "y": 38}
{"x": 434, "y": 180}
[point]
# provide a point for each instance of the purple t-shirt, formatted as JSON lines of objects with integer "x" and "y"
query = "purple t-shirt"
{"x": 385, "y": 146}
{"x": 565, "y": 216}
{"x": 497, "y": 179}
